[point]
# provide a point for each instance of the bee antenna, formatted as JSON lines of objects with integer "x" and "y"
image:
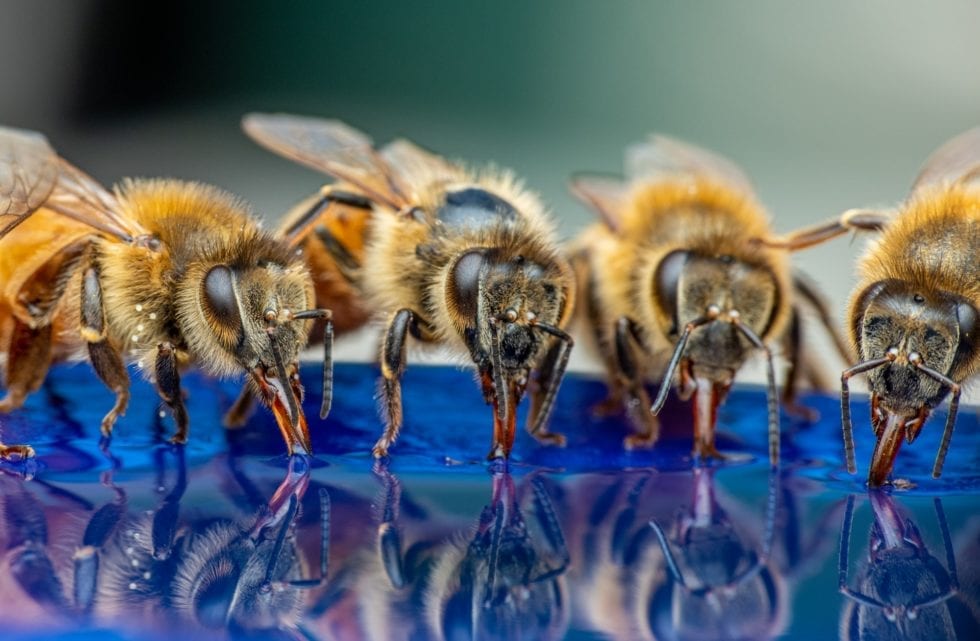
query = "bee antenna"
{"x": 498, "y": 526}
{"x": 658, "y": 404}
{"x": 327, "y": 395}
{"x": 675, "y": 570}
{"x": 283, "y": 377}
{"x": 954, "y": 404}
{"x": 771, "y": 401}
{"x": 845, "y": 402}
{"x": 287, "y": 522}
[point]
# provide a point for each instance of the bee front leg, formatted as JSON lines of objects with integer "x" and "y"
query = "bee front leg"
{"x": 636, "y": 401}
{"x": 103, "y": 354}
{"x": 168, "y": 387}
{"x": 392, "y": 368}
{"x": 28, "y": 360}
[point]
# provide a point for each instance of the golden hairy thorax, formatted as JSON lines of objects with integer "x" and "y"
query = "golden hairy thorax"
{"x": 696, "y": 215}
{"x": 933, "y": 243}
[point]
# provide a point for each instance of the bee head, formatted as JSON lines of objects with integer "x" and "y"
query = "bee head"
{"x": 502, "y": 302}
{"x": 504, "y": 584}
{"x": 686, "y": 284}
{"x": 251, "y": 317}
{"x": 922, "y": 333}
{"x": 903, "y": 589}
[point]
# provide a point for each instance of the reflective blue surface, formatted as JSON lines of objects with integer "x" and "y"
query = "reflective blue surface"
{"x": 225, "y": 537}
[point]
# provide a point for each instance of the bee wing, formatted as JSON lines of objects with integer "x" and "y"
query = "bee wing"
{"x": 605, "y": 194}
{"x": 415, "y": 166}
{"x": 32, "y": 175}
{"x": 28, "y": 174}
{"x": 664, "y": 157}
{"x": 957, "y": 161}
{"x": 331, "y": 147}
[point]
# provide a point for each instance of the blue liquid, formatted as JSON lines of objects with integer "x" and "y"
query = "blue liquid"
{"x": 411, "y": 545}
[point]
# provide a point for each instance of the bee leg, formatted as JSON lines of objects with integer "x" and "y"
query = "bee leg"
{"x": 168, "y": 387}
{"x": 105, "y": 357}
{"x": 794, "y": 354}
{"x": 389, "y": 534}
{"x": 545, "y": 387}
{"x": 99, "y": 529}
{"x": 241, "y": 409}
{"x": 392, "y": 368}
{"x": 635, "y": 399}
{"x": 28, "y": 360}
{"x": 613, "y": 403}
{"x": 166, "y": 517}
{"x": 851, "y": 220}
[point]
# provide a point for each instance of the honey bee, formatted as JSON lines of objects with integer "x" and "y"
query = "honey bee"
{"x": 676, "y": 274}
{"x": 501, "y": 578}
{"x": 451, "y": 257}
{"x": 161, "y": 272}
{"x": 913, "y": 316}
{"x": 903, "y": 591}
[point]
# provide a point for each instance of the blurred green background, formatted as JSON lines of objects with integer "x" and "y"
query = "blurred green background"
{"x": 826, "y": 105}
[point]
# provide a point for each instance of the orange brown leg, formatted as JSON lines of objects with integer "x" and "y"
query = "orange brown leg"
{"x": 241, "y": 409}
{"x": 794, "y": 355}
{"x": 28, "y": 360}
{"x": 103, "y": 354}
{"x": 636, "y": 401}
{"x": 392, "y": 368}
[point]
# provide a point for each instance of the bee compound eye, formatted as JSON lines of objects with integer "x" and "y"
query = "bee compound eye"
{"x": 219, "y": 296}
{"x": 667, "y": 279}
{"x": 464, "y": 282}
{"x": 966, "y": 317}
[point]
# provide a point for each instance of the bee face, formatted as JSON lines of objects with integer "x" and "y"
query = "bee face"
{"x": 686, "y": 284}
{"x": 933, "y": 328}
{"x": 510, "y": 293}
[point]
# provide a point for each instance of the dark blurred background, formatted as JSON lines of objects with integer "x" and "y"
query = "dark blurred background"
{"x": 826, "y": 105}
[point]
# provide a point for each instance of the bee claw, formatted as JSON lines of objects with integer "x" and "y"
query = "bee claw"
{"x": 551, "y": 438}
{"x": 16, "y": 452}
{"x": 639, "y": 441}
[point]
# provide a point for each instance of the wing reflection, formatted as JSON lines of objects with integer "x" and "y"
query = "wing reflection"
{"x": 902, "y": 591}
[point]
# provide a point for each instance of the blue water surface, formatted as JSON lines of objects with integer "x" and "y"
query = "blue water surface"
{"x": 227, "y": 537}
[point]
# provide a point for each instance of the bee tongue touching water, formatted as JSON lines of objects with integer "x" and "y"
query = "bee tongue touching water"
{"x": 284, "y": 399}
{"x": 892, "y": 431}
{"x": 708, "y": 395}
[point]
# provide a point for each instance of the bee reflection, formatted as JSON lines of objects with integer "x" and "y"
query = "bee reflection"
{"x": 158, "y": 570}
{"x": 504, "y": 579}
{"x": 904, "y": 592}
{"x": 704, "y": 571}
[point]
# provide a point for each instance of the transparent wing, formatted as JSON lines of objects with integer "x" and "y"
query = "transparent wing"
{"x": 28, "y": 173}
{"x": 957, "y": 161}
{"x": 605, "y": 194}
{"x": 664, "y": 157}
{"x": 331, "y": 147}
{"x": 32, "y": 175}
{"x": 416, "y": 167}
